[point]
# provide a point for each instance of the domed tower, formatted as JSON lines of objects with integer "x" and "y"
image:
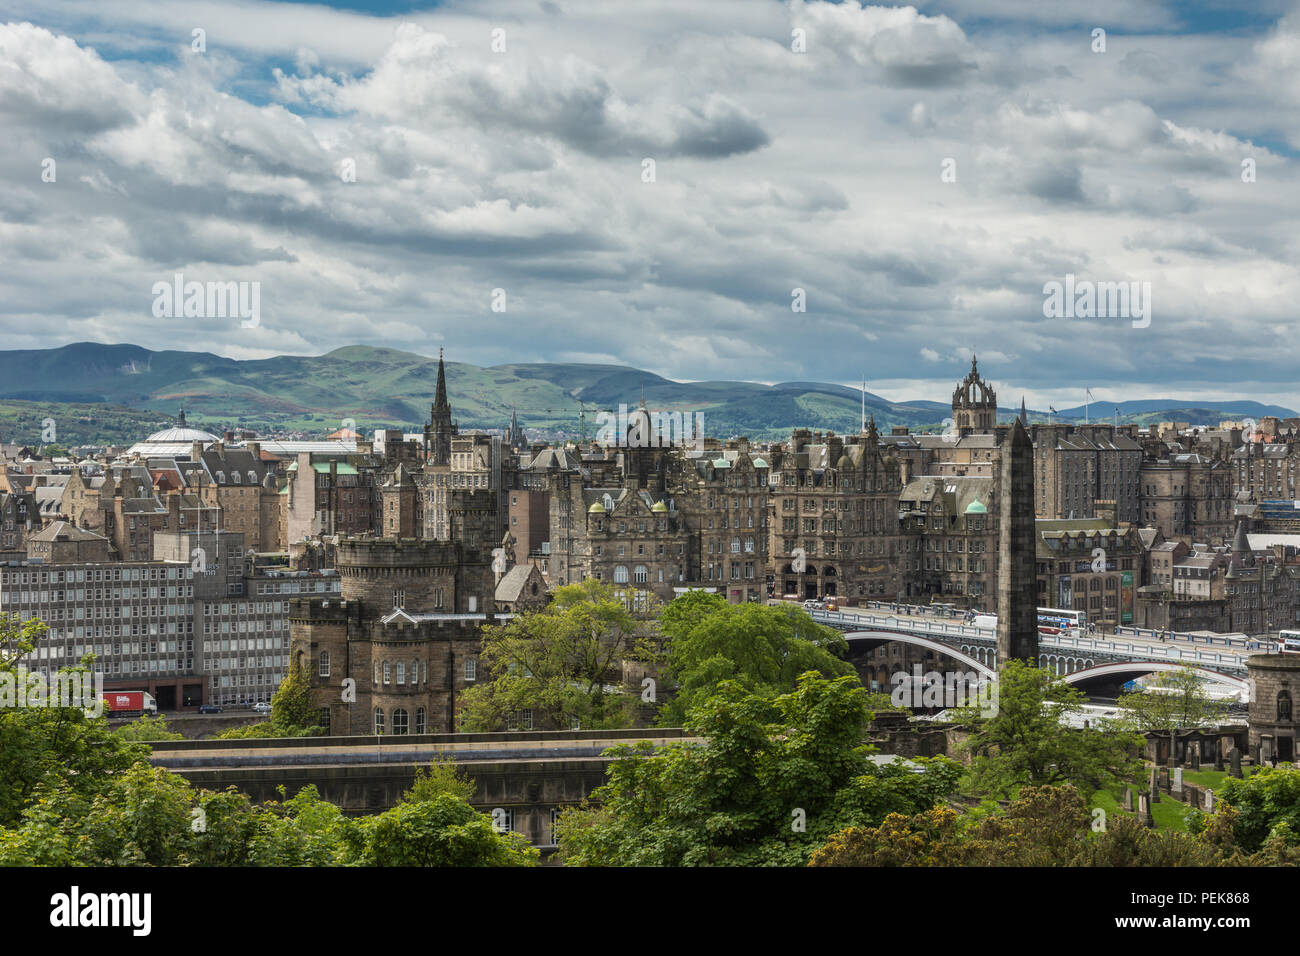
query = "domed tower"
{"x": 974, "y": 404}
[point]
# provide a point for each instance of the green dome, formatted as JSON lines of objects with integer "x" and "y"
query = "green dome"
{"x": 659, "y": 508}
{"x": 976, "y": 508}
{"x": 596, "y": 509}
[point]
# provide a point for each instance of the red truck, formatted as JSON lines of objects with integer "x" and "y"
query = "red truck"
{"x": 129, "y": 703}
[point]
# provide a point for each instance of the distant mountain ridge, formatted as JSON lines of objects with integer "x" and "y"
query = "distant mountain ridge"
{"x": 381, "y": 387}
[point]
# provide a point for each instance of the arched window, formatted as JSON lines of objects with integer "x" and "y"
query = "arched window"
{"x": 388, "y": 673}
{"x": 379, "y": 721}
{"x": 420, "y": 723}
{"x": 620, "y": 574}
{"x": 640, "y": 574}
{"x": 323, "y": 669}
{"x": 399, "y": 722}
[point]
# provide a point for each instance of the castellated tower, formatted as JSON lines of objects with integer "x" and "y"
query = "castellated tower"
{"x": 394, "y": 653}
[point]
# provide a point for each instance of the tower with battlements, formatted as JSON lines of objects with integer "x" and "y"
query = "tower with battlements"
{"x": 393, "y": 653}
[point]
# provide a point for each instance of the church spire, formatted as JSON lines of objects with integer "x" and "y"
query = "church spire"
{"x": 439, "y": 431}
{"x": 440, "y": 395}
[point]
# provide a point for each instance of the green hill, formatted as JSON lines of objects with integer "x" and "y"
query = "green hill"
{"x": 379, "y": 387}
{"x": 120, "y": 392}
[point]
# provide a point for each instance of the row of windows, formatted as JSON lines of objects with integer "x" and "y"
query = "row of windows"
{"x": 94, "y": 574}
{"x": 398, "y": 722}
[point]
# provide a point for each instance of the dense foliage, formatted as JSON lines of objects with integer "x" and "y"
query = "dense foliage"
{"x": 762, "y": 648}
{"x": 563, "y": 662}
{"x": 775, "y": 778}
{"x": 1026, "y": 744}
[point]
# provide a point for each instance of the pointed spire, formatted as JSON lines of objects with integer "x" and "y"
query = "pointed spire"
{"x": 1024, "y": 414}
{"x": 440, "y": 395}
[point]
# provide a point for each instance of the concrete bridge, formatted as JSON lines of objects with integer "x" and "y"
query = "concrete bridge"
{"x": 1080, "y": 659}
{"x": 527, "y": 776}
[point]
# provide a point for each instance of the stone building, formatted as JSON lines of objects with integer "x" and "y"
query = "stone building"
{"x": 64, "y": 543}
{"x": 239, "y": 482}
{"x": 1089, "y": 565}
{"x": 1276, "y": 684}
{"x": 1187, "y": 497}
{"x": 327, "y": 495}
{"x": 722, "y": 499}
{"x": 1076, "y": 466}
{"x": 18, "y": 519}
{"x": 405, "y": 632}
{"x": 127, "y": 506}
{"x": 521, "y": 588}
{"x": 402, "y": 504}
{"x": 950, "y": 539}
{"x": 834, "y": 517}
{"x": 1264, "y": 470}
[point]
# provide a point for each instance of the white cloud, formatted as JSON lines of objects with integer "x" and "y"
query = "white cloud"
{"x": 773, "y": 170}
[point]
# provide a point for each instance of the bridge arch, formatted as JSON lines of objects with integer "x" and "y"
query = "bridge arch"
{"x": 1120, "y": 668}
{"x": 947, "y": 650}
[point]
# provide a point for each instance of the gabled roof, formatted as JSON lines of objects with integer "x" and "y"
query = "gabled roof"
{"x": 65, "y": 531}
{"x": 512, "y": 583}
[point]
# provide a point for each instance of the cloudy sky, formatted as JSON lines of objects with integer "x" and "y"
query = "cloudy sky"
{"x": 503, "y": 145}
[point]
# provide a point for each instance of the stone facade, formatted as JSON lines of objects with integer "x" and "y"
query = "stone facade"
{"x": 1276, "y": 680}
{"x": 834, "y": 517}
{"x": 1017, "y": 589}
{"x": 405, "y": 631}
{"x": 1188, "y": 497}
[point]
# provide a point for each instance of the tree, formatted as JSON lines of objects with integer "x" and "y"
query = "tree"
{"x": 775, "y": 777}
{"x": 562, "y": 662}
{"x": 1173, "y": 701}
{"x": 141, "y": 817}
{"x": 1027, "y": 744}
{"x": 1265, "y": 803}
{"x": 48, "y": 746}
{"x": 291, "y": 704}
{"x": 147, "y": 728}
{"x": 762, "y": 648}
{"x": 1043, "y": 826}
{"x": 292, "y": 712}
{"x": 443, "y": 775}
{"x": 442, "y": 831}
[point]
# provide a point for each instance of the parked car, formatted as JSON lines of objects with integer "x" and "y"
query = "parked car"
{"x": 262, "y": 708}
{"x": 209, "y": 708}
